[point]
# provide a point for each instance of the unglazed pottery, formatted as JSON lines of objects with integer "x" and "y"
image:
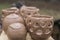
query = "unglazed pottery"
{"x": 16, "y": 31}
{"x": 28, "y": 11}
{"x": 12, "y": 18}
{"x": 39, "y": 27}
{"x": 8, "y": 11}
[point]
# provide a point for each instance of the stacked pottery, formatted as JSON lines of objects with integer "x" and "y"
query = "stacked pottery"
{"x": 13, "y": 26}
{"x": 40, "y": 27}
{"x": 12, "y": 18}
{"x": 28, "y": 11}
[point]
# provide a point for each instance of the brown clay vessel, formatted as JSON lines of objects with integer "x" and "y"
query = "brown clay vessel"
{"x": 39, "y": 27}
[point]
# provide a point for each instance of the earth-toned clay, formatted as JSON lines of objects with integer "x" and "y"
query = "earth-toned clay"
{"x": 8, "y": 11}
{"x": 16, "y": 31}
{"x": 12, "y": 18}
{"x": 39, "y": 27}
{"x": 28, "y": 11}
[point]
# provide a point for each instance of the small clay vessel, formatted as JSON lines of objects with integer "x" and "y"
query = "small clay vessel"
{"x": 16, "y": 31}
{"x": 28, "y": 11}
{"x": 12, "y": 18}
{"x": 40, "y": 27}
{"x": 8, "y": 11}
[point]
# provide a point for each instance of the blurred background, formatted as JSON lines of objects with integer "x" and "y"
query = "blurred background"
{"x": 47, "y": 7}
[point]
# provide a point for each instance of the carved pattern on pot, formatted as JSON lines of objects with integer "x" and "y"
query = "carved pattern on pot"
{"x": 8, "y": 11}
{"x": 39, "y": 26}
{"x": 28, "y": 11}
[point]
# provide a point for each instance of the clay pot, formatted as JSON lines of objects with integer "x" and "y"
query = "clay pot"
{"x": 12, "y": 18}
{"x": 28, "y": 11}
{"x": 16, "y": 31}
{"x": 8, "y": 11}
{"x": 39, "y": 27}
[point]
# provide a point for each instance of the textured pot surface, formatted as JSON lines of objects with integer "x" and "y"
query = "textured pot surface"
{"x": 12, "y": 18}
{"x": 17, "y": 31}
{"x": 40, "y": 27}
{"x": 28, "y": 11}
{"x": 8, "y": 11}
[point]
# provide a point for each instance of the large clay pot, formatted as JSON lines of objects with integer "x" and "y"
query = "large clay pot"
{"x": 39, "y": 27}
{"x": 12, "y": 18}
{"x": 16, "y": 31}
{"x": 8, "y": 11}
{"x": 28, "y": 11}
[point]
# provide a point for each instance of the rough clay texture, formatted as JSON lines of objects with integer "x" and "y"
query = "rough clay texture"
{"x": 8, "y": 11}
{"x": 28, "y": 11}
{"x": 4, "y": 36}
{"x": 12, "y": 18}
{"x": 16, "y": 31}
{"x": 40, "y": 27}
